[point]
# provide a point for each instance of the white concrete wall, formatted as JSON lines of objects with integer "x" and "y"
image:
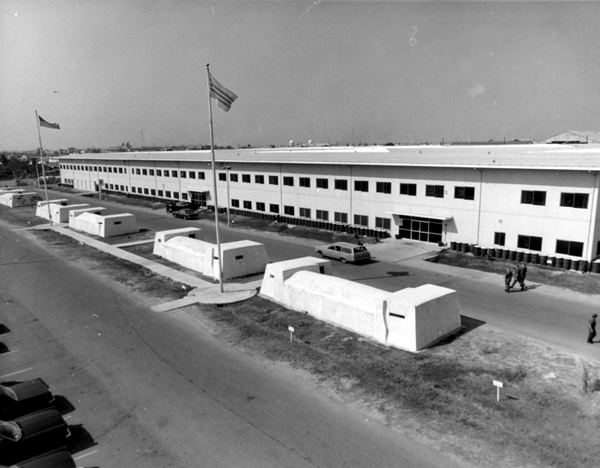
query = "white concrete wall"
{"x": 41, "y": 210}
{"x": 163, "y": 236}
{"x": 10, "y": 190}
{"x": 118, "y": 225}
{"x": 79, "y": 211}
{"x": 243, "y": 258}
{"x": 410, "y": 319}
{"x": 87, "y": 222}
{"x": 194, "y": 254}
{"x": 277, "y": 273}
{"x": 60, "y": 213}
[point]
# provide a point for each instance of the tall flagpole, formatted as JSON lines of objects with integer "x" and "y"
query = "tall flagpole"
{"x": 37, "y": 119}
{"x": 214, "y": 174}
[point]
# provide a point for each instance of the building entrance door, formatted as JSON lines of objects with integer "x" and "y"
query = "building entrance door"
{"x": 421, "y": 229}
{"x": 198, "y": 198}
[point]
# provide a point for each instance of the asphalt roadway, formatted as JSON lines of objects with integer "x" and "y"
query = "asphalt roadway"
{"x": 147, "y": 389}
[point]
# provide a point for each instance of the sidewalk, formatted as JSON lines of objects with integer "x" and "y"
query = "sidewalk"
{"x": 202, "y": 292}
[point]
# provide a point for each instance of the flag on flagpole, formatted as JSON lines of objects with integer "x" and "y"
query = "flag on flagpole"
{"x": 43, "y": 123}
{"x": 219, "y": 92}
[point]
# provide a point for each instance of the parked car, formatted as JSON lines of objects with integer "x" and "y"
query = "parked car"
{"x": 58, "y": 458}
{"x": 19, "y": 398}
{"x": 171, "y": 207}
{"x": 186, "y": 214}
{"x": 344, "y": 251}
{"x": 32, "y": 434}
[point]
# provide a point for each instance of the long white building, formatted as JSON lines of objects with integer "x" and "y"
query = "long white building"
{"x": 537, "y": 199}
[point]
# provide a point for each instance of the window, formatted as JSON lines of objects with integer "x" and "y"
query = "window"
{"x": 340, "y": 217}
{"x": 323, "y": 215}
{"x": 247, "y": 205}
{"x": 159, "y": 172}
{"x": 288, "y": 181}
{"x": 139, "y": 190}
{"x": 408, "y": 189}
{"x": 144, "y": 172}
{"x": 288, "y": 210}
{"x": 166, "y": 173}
{"x": 137, "y": 171}
{"x": 122, "y": 170}
{"x": 176, "y": 195}
{"x": 340, "y": 184}
{"x": 235, "y": 203}
{"x": 436, "y": 191}
{"x": 499, "y": 238}
{"x": 183, "y": 174}
{"x": 361, "y": 220}
{"x": 110, "y": 169}
{"x": 323, "y": 183}
{"x": 466, "y": 193}
{"x": 304, "y": 182}
{"x": 260, "y": 206}
{"x": 145, "y": 191}
{"x": 259, "y": 179}
{"x": 201, "y": 175}
{"x": 274, "y": 208}
{"x": 305, "y": 212}
{"x": 184, "y": 196}
{"x": 273, "y": 180}
{"x": 168, "y": 194}
{"x": 384, "y": 187}
{"x": 151, "y": 172}
{"x": 173, "y": 173}
{"x": 383, "y": 223}
{"x": 530, "y": 242}
{"x": 192, "y": 175}
{"x": 361, "y": 186}
{"x": 531, "y": 197}
{"x": 574, "y": 200}
{"x": 233, "y": 177}
{"x": 160, "y": 193}
{"x": 246, "y": 178}
{"x": 104, "y": 169}
{"x": 222, "y": 176}
{"x": 569, "y": 248}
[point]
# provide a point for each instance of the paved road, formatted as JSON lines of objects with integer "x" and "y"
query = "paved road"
{"x": 157, "y": 390}
{"x": 555, "y": 316}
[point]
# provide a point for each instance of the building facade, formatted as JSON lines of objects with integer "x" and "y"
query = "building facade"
{"x": 534, "y": 198}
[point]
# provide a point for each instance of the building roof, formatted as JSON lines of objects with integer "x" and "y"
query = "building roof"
{"x": 537, "y": 156}
{"x": 575, "y": 137}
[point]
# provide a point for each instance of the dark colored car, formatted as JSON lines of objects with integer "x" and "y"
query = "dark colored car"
{"x": 20, "y": 398}
{"x": 187, "y": 213}
{"x": 180, "y": 205}
{"x": 59, "y": 458}
{"x": 32, "y": 435}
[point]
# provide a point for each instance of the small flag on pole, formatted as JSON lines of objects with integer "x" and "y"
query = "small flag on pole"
{"x": 43, "y": 123}
{"x": 219, "y": 92}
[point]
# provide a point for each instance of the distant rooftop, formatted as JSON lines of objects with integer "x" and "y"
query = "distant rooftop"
{"x": 534, "y": 156}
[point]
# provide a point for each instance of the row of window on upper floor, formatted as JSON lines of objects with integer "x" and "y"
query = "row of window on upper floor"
{"x": 528, "y": 197}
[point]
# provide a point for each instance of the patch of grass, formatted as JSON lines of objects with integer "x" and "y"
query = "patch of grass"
{"x": 444, "y": 394}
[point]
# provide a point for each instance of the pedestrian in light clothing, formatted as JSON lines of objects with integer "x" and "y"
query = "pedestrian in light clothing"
{"x": 592, "y": 329}
{"x": 508, "y": 276}
{"x": 521, "y": 274}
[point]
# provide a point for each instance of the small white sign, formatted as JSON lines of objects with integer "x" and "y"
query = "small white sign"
{"x": 498, "y": 384}
{"x": 291, "y": 329}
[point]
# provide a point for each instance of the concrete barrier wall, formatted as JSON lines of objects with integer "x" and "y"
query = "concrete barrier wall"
{"x": 60, "y": 213}
{"x": 163, "y": 236}
{"x": 194, "y": 254}
{"x": 410, "y": 319}
{"x": 79, "y": 211}
{"x": 117, "y": 225}
{"x": 243, "y": 258}
{"x": 41, "y": 210}
{"x": 86, "y": 222}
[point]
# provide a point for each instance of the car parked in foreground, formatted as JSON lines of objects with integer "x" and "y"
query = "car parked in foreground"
{"x": 345, "y": 252}
{"x": 186, "y": 214}
{"x": 20, "y": 398}
{"x": 58, "y": 458}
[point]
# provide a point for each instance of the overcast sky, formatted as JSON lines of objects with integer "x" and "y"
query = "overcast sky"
{"x": 329, "y": 71}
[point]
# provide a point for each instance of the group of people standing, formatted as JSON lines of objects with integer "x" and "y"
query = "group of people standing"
{"x": 515, "y": 275}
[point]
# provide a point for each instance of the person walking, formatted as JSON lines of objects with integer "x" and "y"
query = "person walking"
{"x": 521, "y": 274}
{"x": 508, "y": 276}
{"x": 592, "y": 329}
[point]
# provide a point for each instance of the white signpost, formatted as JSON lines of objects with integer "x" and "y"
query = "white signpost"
{"x": 498, "y": 386}
{"x": 291, "y": 329}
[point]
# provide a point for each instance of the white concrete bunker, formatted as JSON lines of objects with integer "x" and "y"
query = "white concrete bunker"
{"x": 410, "y": 319}
{"x": 242, "y": 258}
{"x": 91, "y": 222}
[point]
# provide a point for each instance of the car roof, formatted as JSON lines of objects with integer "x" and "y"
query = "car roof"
{"x": 40, "y": 421}
{"x": 24, "y": 390}
{"x": 345, "y": 244}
